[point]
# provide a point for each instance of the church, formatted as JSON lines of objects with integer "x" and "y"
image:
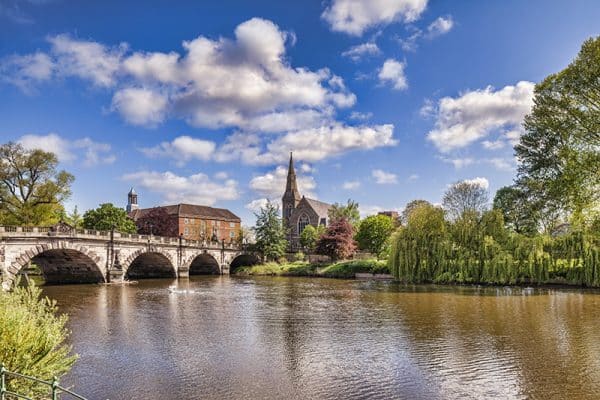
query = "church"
{"x": 300, "y": 211}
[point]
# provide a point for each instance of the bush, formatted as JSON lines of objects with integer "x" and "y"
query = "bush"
{"x": 32, "y": 339}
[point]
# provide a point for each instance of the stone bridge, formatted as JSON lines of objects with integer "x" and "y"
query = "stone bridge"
{"x": 66, "y": 255}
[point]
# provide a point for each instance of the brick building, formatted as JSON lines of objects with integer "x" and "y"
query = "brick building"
{"x": 193, "y": 222}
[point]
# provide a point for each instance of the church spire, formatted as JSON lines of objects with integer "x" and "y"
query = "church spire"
{"x": 291, "y": 197}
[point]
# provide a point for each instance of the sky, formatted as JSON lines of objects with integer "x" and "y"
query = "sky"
{"x": 201, "y": 102}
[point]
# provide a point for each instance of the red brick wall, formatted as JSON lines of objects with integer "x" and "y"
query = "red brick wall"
{"x": 198, "y": 226}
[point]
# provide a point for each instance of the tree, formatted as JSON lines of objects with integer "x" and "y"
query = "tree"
{"x": 74, "y": 218}
{"x": 309, "y": 237}
{"x": 31, "y": 189}
{"x": 33, "y": 339}
{"x": 410, "y": 206}
{"x": 157, "y": 221}
{"x": 518, "y": 212}
{"x": 337, "y": 242}
{"x": 559, "y": 154}
{"x": 374, "y": 232}
{"x": 465, "y": 196}
{"x": 350, "y": 212}
{"x": 270, "y": 234}
{"x": 107, "y": 217}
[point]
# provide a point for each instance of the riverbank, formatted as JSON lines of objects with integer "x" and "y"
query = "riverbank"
{"x": 342, "y": 269}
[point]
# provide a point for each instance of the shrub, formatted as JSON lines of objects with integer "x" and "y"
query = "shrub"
{"x": 32, "y": 339}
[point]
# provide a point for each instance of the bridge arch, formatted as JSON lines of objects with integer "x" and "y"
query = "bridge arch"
{"x": 149, "y": 264}
{"x": 204, "y": 264}
{"x": 243, "y": 260}
{"x": 60, "y": 263}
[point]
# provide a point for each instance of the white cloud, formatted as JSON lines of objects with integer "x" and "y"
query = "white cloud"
{"x": 272, "y": 184}
{"x": 483, "y": 182}
{"x": 183, "y": 149}
{"x": 493, "y": 144}
{"x": 221, "y": 175}
{"x": 356, "y": 16}
{"x": 384, "y": 178}
{"x": 195, "y": 189}
{"x": 459, "y": 162}
{"x": 392, "y": 72}
{"x": 360, "y": 116}
{"x": 140, "y": 106}
{"x": 351, "y": 185}
{"x": 427, "y": 110}
{"x": 355, "y": 53}
{"x": 440, "y": 26}
{"x": 87, "y": 59}
{"x": 501, "y": 164}
{"x": 473, "y": 115}
{"x": 27, "y": 71}
{"x": 93, "y": 152}
{"x": 256, "y": 205}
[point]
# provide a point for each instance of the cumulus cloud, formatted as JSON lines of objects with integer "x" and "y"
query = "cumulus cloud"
{"x": 440, "y": 26}
{"x": 256, "y": 204}
{"x": 140, "y": 106}
{"x": 355, "y": 53}
{"x": 360, "y": 116}
{"x": 245, "y": 82}
{"x": 272, "y": 184}
{"x": 182, "y": 149}
{"x": 93, "y": 153}
{"x": 392, "y": 72}
{"x": 483, "y": 182}
{"x": 27, "y": 71}
{"x": 384, "y": 178}
{"x": 195, "y": 189}
{"x": 356, "y": 16}
{"x": 351, "y": 185}
{"x": 475, "y": 114}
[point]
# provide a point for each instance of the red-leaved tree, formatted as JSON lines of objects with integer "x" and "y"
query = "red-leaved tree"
{"x": 338, "y": 240}
{"x": 158, "y": 222}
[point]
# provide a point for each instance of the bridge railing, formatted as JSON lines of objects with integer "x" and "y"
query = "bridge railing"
{"x": 54, "y": 389}
{"x": 44, "y": 231}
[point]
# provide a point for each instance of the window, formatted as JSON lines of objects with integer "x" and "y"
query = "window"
{"x": 232, "y": 234}
{"x": 219, "y": 224}
{"x": 288, "y": 211}
{"x": 303, "y": 222}
{"x": 232, "y": 224}
{"x": 186, "y": 231}
{"x": 186, "y": 221}
{"x": 323, "y": 221}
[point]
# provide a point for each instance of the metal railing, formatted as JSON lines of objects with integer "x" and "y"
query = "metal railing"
{"x": 54, "y": 389}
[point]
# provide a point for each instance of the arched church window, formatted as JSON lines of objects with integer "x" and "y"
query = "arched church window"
{"x": 303, "y": 222}
{"x": 288, "y": 211}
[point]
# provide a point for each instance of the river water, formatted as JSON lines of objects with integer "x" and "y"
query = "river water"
{"x": 297, "y": 338}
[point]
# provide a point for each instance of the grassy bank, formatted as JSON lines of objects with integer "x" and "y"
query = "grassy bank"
{"x": 342, "y": 269}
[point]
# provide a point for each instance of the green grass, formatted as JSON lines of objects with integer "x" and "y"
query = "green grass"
{"x": 343, "y": 269}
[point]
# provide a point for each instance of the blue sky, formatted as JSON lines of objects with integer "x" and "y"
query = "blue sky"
{"x": 381, "y": 101}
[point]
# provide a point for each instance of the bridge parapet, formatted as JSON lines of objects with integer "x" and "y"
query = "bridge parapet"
{"x": 47, "y": 231}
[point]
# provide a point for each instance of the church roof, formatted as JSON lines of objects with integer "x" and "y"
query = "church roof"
{"x": 190, "y": 210}
{"x": 321, "y": 208}
{"x": 132, "y": 191}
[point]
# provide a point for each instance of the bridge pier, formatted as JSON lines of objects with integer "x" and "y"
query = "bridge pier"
{"x": 183, "y": 272}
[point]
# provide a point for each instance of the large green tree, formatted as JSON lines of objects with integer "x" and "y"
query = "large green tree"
{"x": 32, "y": 189}
{"x": 309, "y": 237}
{"x": 410, "y": 207}
{"x": 465, "y": 197}
{"x": 350, "y": 211}
{"x": 374, "y": 232}
{"x": 107, "y": 217}
{"x": 559, "y": 153}
{"x": 270, "y": 233}
{"x": 518, "y": 212}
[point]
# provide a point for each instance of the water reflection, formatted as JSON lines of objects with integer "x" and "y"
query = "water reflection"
{"x": 299, "y": 338}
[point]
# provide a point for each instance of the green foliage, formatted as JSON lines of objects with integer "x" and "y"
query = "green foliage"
{"x": 345, "y": 269}
{"x": 309, "y": 237}
{"x": 410, "y": 206}
{"x": 374, "y": 232}
{"x": 350, "y": 212}
{"x": 559, "y": 153}
{"x": 479, "y": 249}
{"x": 517, "y": 210}
{"x": 32, "y": 339}
{"x": 463, "y": 197}
{"x": 74, "y": 218}
{"x": 107, "y": 217}
{"x": 270, "y": 234}
{"x": 31, "y": 189}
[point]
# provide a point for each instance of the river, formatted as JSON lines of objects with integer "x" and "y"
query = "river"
{"x": 308, "y": 338}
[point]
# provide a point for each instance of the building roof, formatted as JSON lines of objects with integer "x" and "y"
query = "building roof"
{"x": 320, "y": 207}
{"x": 132, "y": 191}
{"x": 190, "y": 210}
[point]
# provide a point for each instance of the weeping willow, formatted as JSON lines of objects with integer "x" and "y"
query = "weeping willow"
{"x": 478, "y": 249}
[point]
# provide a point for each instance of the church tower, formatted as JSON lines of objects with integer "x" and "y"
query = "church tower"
{"x": 132, "y": 201}
{"x": 291, "y": 197}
